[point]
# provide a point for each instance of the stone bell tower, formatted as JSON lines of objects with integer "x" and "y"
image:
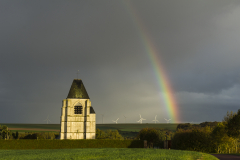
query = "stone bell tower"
{"x": 78, "y": 120}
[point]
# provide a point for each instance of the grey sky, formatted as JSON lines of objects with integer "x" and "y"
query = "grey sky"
{"x": 44, "y": 43}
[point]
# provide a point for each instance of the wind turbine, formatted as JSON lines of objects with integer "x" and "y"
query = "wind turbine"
{"x": 47, "y": 119}
{"x": 125, "y": 118}
{"x": 116, "y": 121}
{"x": 155, "y": 119}
{"x": 141, "y": 119}
{"x": 167, "y": 120}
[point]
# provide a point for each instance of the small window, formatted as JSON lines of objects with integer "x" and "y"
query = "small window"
{"x": 77, "y": 109}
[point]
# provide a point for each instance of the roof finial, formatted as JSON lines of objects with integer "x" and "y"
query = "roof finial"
{"x": 77, "y": 74}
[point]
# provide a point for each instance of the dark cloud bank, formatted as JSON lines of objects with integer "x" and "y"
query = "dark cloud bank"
{"x": 44, "y": 43}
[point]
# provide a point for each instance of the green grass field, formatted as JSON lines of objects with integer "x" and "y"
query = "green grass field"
{"x": 104, "y": 154}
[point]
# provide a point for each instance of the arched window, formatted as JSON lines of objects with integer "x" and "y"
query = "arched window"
{"x": 78, "y": 109}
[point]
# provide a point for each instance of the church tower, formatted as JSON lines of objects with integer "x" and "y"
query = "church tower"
{"x": 78, "y": 120}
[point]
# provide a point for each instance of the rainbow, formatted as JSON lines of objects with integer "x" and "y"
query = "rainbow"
{"x": 163, "y": 81}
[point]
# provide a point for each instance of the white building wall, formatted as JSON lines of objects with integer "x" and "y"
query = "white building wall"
{"x": 72, "y": 125}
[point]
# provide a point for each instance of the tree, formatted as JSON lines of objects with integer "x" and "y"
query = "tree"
{"x": 183, "y": 126}
{"x": 232, "y": 122}
{"x": 220, "y": 137}
{"x": 17, "y": 135}
{"x": 149, "y": 134}
{"x": 14, "y": 135}
{"x": 228, "y": 117}
{"x": 100, "y": 134}
{"x": 5, "y": 132}
{"x": 113, "y": 135}
{"x": 233, "y": 126}
{"x": 109, "y": 134}
{"x": 162, "y": 134}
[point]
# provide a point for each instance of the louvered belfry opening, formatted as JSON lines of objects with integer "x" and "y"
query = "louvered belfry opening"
{"x": 77, "y": 109}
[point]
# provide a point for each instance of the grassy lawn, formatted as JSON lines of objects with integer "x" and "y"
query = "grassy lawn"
{"x": 105, "y": 154}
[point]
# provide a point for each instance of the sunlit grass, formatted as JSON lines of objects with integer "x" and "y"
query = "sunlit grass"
{"x": 105, "y": 154}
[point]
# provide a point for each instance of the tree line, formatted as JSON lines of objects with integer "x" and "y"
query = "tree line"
{"x": 8, "y": 134}
{"x": 209, "y": 137}
{"x": 219, "y": 137}
{"x": 144, "y": 134}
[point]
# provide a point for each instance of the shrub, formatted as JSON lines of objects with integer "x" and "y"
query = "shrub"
{"x": 109, "y": 134}
{"x": 197, "y": 139}
{"x": 39, "y": 135}
{"x": 149, "y": 134}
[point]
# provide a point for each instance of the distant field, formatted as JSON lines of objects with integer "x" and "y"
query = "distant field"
{"x": 38, "y": 126}
{"x": 32, "y": 127}
{"x": 129, "y": 127}
{"x": 134, "y": 127}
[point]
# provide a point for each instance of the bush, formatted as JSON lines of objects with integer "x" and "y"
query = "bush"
{"x": 39, "y": 135}
{"x": 194, "y": 140}
{"x": 109, "y": 134}
{"x": 223, "y": 143}
{"x": 149, "y": 134}
{"x": 6, "y": 133}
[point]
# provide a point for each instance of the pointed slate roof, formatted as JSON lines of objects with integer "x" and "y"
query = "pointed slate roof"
{"x": 78, "y": 90}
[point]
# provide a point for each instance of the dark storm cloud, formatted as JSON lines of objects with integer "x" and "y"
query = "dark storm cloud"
{"x": 44, "y": 43}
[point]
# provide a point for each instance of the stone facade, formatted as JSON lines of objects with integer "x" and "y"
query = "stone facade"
{"x": 78, "y": 120}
